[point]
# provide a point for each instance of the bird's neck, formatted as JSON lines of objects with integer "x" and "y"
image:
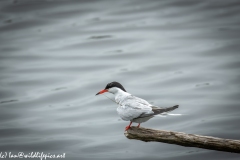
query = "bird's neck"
{"x": 120, "y": 95}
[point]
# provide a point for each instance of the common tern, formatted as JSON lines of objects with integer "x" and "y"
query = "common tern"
{"x": 131, "y": 108}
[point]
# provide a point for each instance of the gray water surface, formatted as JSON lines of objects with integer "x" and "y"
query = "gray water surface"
{"x": 56, "y": 55}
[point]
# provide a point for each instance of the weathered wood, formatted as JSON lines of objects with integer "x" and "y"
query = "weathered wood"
{"x": 183, "y": 139}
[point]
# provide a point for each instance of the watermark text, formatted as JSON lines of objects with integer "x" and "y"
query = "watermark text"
{"x": 39, "y": 155}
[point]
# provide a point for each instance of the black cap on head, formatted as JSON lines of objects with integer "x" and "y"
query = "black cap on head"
{"x": 115, "y": 84}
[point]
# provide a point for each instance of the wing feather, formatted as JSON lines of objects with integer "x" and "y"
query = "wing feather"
{"x": 133, "y": 107}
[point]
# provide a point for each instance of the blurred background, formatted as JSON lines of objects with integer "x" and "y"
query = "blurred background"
{"x": 55, "y": 55}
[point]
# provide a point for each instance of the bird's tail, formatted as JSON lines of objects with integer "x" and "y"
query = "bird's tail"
{"x": 158, "y": 110}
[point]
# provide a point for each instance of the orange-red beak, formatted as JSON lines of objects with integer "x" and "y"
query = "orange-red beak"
{"x": 102, "y": 91}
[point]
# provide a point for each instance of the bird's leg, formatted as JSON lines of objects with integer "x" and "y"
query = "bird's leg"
{"x": 129, "y": 126}
{"x": 138, "y": 125}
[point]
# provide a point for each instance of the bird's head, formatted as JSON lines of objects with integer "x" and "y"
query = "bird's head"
{"x": 112, "y": 87}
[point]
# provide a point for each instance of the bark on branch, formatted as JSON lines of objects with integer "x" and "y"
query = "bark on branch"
{"x": 183, "y": 139}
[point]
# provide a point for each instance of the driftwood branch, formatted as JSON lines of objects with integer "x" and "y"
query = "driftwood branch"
{"x": 183, "y": 139}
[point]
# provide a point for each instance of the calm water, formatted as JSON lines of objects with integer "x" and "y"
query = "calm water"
{"x": 56, "y": 55}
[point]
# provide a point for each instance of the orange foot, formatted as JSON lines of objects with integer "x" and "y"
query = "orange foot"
{"x": 126, "y": 128}
{"x": 129, "y": 126}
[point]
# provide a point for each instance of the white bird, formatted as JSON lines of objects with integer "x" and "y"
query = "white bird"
{"x": 131, "y": 108}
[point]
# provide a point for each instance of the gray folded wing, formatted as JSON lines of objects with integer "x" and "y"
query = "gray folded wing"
{"x": 133, "y": 107}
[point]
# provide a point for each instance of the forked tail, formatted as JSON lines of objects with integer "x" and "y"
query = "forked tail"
{"x": 158, "y": 110}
